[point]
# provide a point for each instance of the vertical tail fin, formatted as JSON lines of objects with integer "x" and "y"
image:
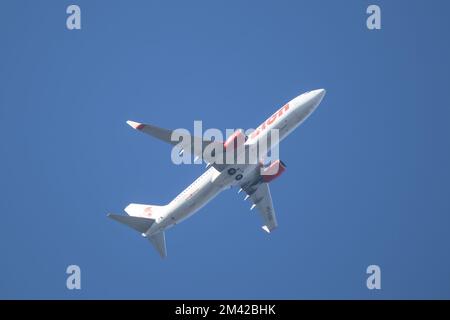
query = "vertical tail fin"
{"x": 144, "y": 210}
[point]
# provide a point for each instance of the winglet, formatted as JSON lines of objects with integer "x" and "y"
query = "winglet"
{"x": 135, "y": 125}
{"x": 266, "y": 229}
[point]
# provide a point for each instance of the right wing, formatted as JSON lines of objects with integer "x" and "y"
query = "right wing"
{"x": 262, "y": 200}
{"x": 166, "y": 136}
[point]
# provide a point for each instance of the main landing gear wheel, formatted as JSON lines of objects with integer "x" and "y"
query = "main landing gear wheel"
{"x": 231, "y": 171}
{"x": 238, "y": 177}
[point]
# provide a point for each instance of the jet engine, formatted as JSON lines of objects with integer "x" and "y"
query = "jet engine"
{"x": 273, "y": 171}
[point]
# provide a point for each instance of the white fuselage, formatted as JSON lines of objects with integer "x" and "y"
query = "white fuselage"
{"x": 212, "y": 182}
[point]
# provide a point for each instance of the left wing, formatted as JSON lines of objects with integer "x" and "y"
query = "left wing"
{"x": 262, "y": 200}
{"x": 192, "y": 141}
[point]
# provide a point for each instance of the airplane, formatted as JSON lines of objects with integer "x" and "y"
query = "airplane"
{"x": 152, "y": 220}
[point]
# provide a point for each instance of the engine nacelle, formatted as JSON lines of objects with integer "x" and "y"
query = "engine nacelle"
{"x": 234, "y": 141}
{"x": 273, "y": 171}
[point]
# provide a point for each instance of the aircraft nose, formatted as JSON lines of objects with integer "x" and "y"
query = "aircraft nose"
{"x": 318, "y": 94}
{"x": 316, "y": 97}
{"x": 308, "y": 103}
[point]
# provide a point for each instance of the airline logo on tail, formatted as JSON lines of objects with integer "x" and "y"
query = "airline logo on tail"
{"x": 148, "y": 211}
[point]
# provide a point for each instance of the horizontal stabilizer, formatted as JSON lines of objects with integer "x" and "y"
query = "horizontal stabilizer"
{"x": 139, "y": 224}
{"x": 158, "y": 240}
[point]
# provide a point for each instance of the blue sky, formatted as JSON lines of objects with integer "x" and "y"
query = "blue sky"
{"x": 368, "y": 175}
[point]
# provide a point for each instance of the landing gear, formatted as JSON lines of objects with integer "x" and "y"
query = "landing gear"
{"x": 238, "y": 177}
